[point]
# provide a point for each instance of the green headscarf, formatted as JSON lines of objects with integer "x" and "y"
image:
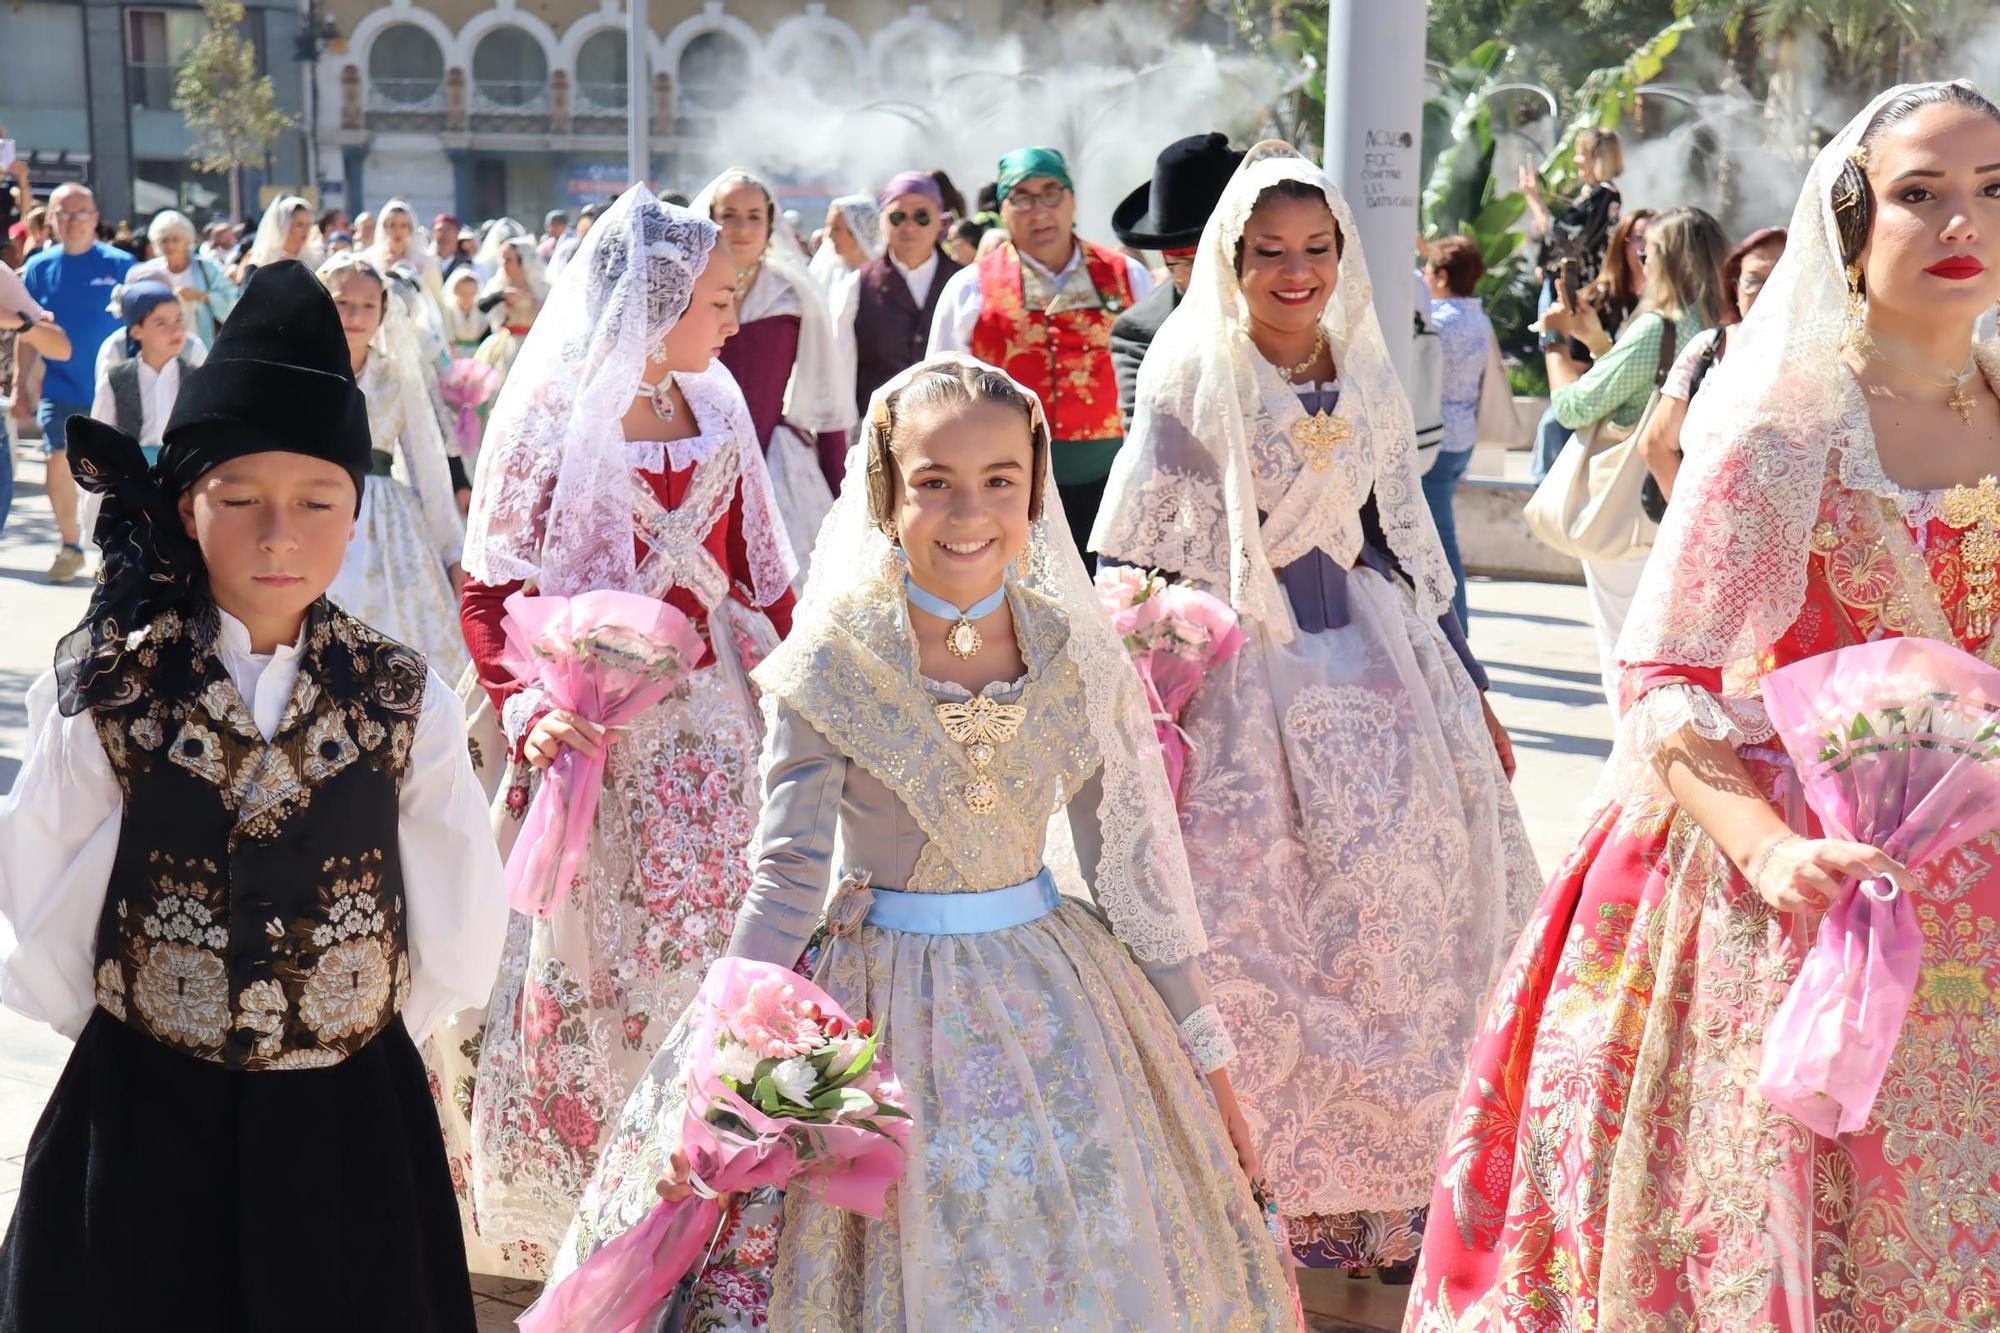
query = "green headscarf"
{"x": 1025, "y": 164}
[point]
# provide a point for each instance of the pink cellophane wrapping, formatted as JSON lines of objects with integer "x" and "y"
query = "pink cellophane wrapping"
{"x": 1170, "y": 677}
{"x": 467, "y": 385}
{"x": 850, "y": 1166}
{"x": 1917, "y": 777}
{"x": 607, "y": 656}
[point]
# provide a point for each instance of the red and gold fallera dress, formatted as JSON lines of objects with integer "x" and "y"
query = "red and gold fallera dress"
{"x": 1610, "y": 1164}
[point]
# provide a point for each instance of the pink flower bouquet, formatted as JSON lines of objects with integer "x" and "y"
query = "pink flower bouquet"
{"x": 1897, "y": 744}
{"x": 784, "y": 1089}
{"x": 1175, "y": 634}
{"x": 607, "y": 656}
{"x": 467, "y": 386}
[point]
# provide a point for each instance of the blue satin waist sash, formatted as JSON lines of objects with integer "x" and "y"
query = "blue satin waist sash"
{"x": 964, "y": 913}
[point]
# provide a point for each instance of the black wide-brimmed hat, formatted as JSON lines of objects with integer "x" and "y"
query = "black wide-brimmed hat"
{"x": 1169, "y": 211}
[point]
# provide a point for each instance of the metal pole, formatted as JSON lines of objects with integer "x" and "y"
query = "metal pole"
{"x": 638, "y": 93}
{"x": 1374, "y": 138}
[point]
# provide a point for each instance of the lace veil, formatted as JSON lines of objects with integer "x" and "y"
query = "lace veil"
{"x": 864, "y": 219}
{"x": 417, "y": 261}
{"x": 268, "y": 246}
{"x": 533, "y": 271}
{"x": 1728, "y": 574}
{"x": 1182, "y": 495}
{"x": 552, "y": 501}
{"x": 818, "y": 397}
{"x": 1141, "y": 879}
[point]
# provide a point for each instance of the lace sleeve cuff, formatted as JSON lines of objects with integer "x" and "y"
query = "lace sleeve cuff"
{"x": 1207, "y": 1036}
{"x": 1663, "y": 712}
{"x": 520, "y": 713}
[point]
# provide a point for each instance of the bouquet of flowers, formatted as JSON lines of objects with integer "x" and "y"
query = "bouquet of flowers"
{"x": 607, "y": 656}
{"x": 467, "y": 386}
{"x": 1175, "y": 634}
{"x": 784, "y": 1089}
{"x": 1897, "y": 744}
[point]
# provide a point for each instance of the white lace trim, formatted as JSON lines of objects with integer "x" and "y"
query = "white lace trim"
{"x": 1658, "y": 717}
{"x": 1207, "y": 1037}
{"x": 518, "y": 714}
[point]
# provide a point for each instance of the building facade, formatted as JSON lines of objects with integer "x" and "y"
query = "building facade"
{"x": 489, "y": 107}
{"x": 88, "y": 91}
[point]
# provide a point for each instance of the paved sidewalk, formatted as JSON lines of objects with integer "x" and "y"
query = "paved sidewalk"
{"x": 1535, "y": 640}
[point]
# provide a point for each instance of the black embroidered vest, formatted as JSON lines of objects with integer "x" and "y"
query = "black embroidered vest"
{"x": 891, "y": 332}
{"x": 255, "y": 910}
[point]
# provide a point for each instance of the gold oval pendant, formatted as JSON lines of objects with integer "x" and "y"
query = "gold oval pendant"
{"x": 963, "y": 640}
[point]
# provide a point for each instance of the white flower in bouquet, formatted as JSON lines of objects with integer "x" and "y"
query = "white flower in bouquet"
{"x": 736, "y": 1062}
{"x": 794, "y": 1080}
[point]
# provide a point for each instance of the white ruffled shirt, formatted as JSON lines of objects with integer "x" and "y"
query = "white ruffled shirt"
{"x": 59, "y": 831}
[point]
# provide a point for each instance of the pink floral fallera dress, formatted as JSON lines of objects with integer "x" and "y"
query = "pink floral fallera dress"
{"x": 1611, "y": 1165}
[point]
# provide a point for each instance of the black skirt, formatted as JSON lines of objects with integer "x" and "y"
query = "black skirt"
{"x": 162, "y": 1192}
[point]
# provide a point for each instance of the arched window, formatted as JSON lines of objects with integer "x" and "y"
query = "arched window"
{"x": 713, "y": 70}
{"x": 913, "y": 62}
{"x": 820, "y": 62}
{"x": 600, "y": 71}
{"x": 405, "y": 66}
{"x": 509, "y": 69}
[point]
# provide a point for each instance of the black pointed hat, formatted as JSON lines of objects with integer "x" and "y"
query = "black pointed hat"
{"x": 278, "y": 378}
{"x": 1169, "y": 211}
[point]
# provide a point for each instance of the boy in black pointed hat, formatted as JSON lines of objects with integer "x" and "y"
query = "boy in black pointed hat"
{"x": 246, "y": 866}
{"x": 1166, "y": 214}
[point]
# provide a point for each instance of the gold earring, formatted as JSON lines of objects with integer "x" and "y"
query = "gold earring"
{"x": 1855, "y": 325}
{"x": 1024, "y": 563}
{"x": 892, "y": 554}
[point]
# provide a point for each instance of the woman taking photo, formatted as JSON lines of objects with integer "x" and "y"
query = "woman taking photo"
{"x": 1612, "y": 1164}
{"x": 1683, "y": 295}
{"x": 1743, "y": 277}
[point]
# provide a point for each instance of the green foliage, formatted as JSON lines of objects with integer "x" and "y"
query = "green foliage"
{"x": 230, "y": 108}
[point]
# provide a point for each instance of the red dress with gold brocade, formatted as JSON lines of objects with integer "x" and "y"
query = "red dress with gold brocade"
{"x": 1610, "y": 1164}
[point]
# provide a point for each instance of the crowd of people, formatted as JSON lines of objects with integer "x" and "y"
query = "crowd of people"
{"x": 1180, "y": 1000}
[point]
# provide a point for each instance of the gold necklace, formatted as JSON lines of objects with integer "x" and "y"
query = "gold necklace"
{"x": 1290, "y": 373}
{"x": 1884, "y": 348}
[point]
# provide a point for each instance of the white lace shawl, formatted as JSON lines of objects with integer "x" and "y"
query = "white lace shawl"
{"x": 818, "y": 397}
{"x": 1141, "y": 878}
{"x": 1213, "y": 421}
{"x": 1776, "y": 422}
{"x": 552, "y": 502}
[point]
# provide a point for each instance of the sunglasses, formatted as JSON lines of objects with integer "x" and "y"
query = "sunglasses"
{"x": 922, "y": 217}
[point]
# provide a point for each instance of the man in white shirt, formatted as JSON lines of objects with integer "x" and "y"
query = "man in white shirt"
{"x": 882, "y": 312}
{"x": 137, "y": 394}
{"x": 1041, "y": 308}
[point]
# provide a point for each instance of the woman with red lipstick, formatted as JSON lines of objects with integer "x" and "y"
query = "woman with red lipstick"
{"x": 1612, "y": 1164}
{"x": 1358, "y": 857}
{"x": 620, "y": 455}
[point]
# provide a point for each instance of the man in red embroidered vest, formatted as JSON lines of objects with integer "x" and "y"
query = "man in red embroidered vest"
{"x": 1041, "y": 308}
